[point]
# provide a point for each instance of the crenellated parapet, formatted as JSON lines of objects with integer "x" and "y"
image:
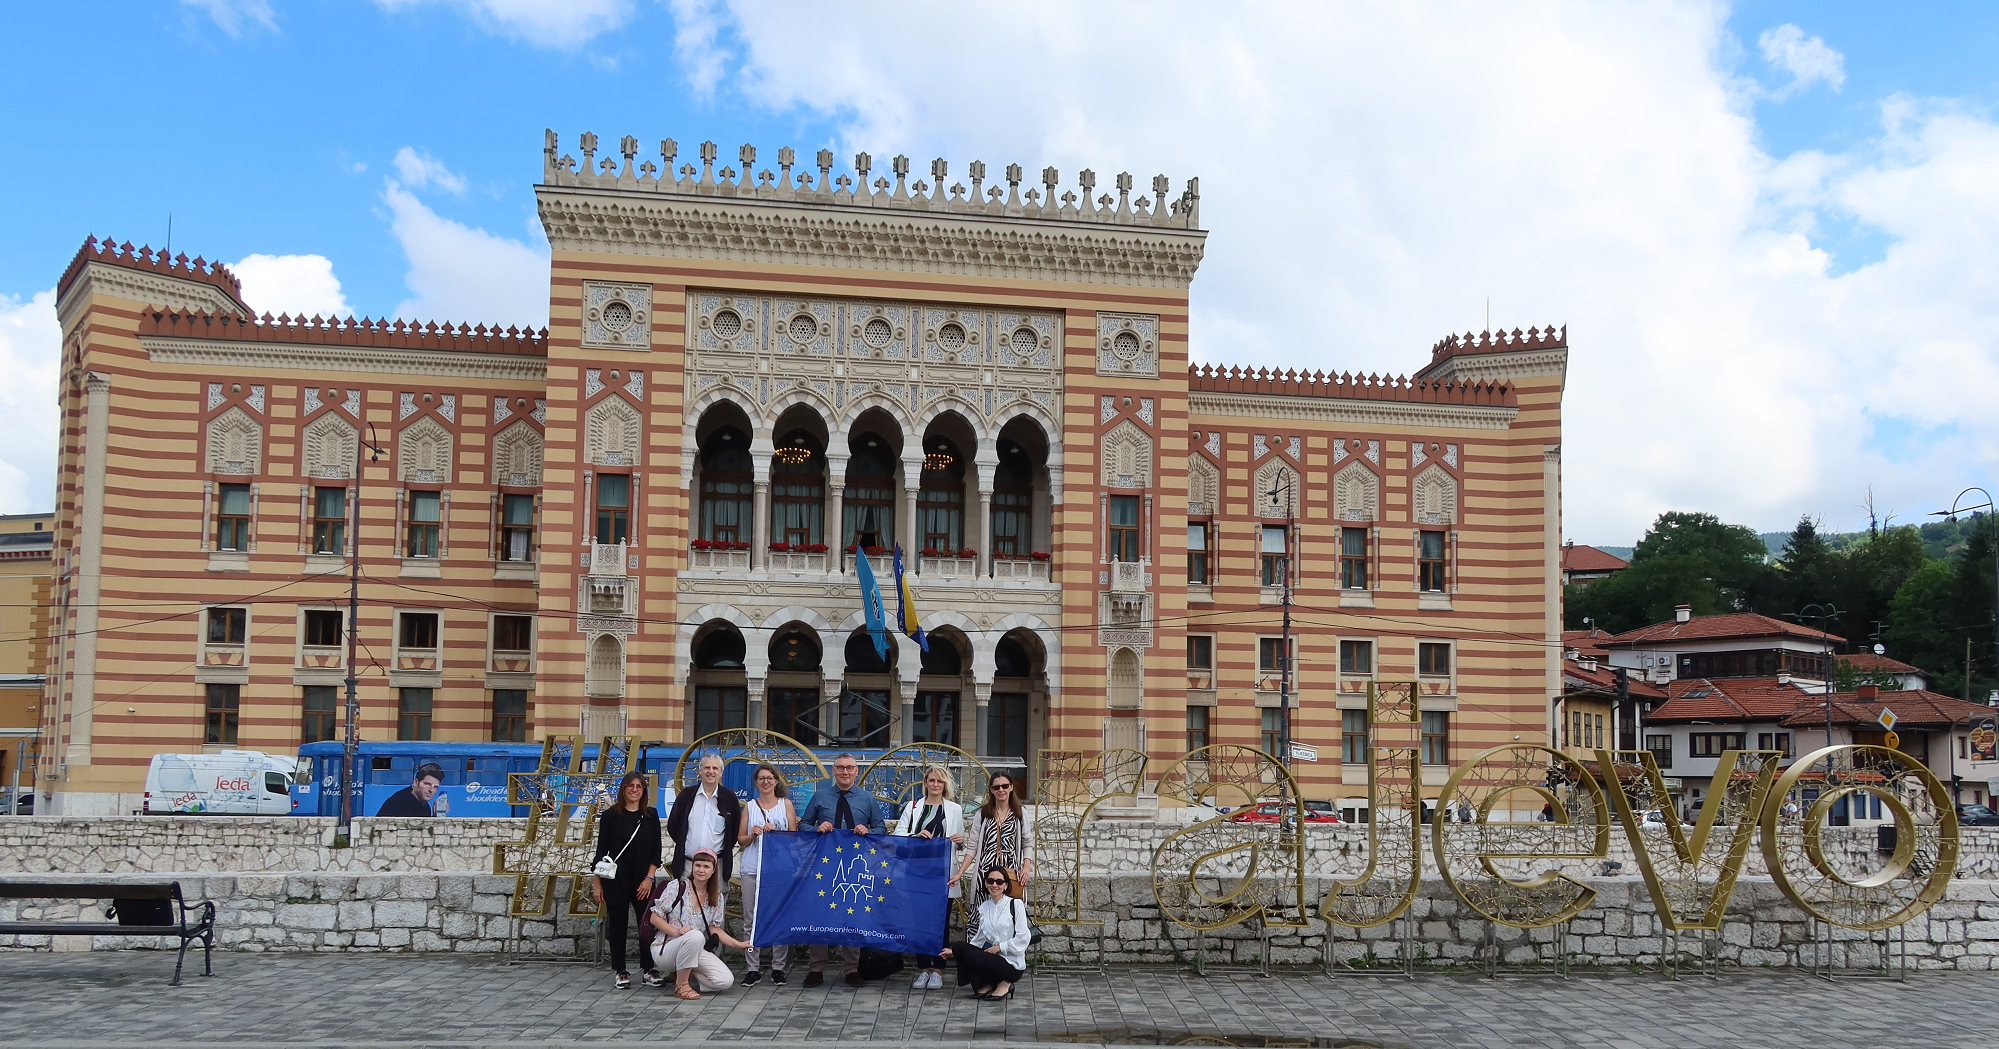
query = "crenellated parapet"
{"x": 1501, "y": 354}
{"x": 1288, "y": 383}
{"x": 428, "y": 337}
{"x": 866, "y": 186}
{"x": 145, "y": 258}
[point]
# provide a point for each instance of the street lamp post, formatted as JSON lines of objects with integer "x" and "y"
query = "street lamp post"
{"x": 350, "y": 749}
{"x": 1957, "y": 507}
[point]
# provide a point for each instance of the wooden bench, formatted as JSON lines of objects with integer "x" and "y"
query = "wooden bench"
{"x": 133, "y": 907}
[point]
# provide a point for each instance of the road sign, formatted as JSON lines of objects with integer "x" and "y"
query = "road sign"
{"x": 1892, "y": 741}
{"x": 1304, "y": 752}
{"x": 1887, "y": 719}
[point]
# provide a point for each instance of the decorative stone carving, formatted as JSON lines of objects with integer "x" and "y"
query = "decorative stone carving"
{"x": 408, "y": 405}
{"x": 1434, "y": 497}
{"x": 1356, "y": 494}
{"x": 352, "y": 405}
{"x": 1293, "y": 447}
{"x": 1106, "y": 408}
{"x": 593, "y": 381}
{"x": 617, "y": 316}
{"x": 953, "y": 336}
{"x": 877, "y": 330}
{"x": 1451, "y": 454}
{"x": 1374, "y": 452}
{"x": 540, "y": 412}
{"x": 214, "y": 396}
{"x": 1128, "y": 344}
{"x": 256, "y": 398}
{"x": 1417, "y": 455}
{"x": 1214, "y": 443}
{"x": 1127, "y": 457}
{"x": 635, "y": 384}
{"x": 235, "y": 443}
{"x": 1278, "y": 476}
{"x": 1259, "y": 446}
{"x": 326, "y": 449}
{"x": 724, "y": 322}
{"x": 502, "y": 409}
{"x": 1145, "y": 409}
{"x": 611, "y": 433}
{"x": 423, "y": 452}
{"x": 312, "y": 401}
{"x": 517, "y": 456}
{"x": 1204, "y": 486}
{"x": 447, "y": 406}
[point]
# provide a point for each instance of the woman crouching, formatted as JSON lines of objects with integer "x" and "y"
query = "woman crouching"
{"x": 686, "y": 914}
{"x": 996, "y": 955}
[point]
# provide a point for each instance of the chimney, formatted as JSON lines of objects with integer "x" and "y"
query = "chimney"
{"x": 1783, "y": 677}
{"x": 1869, "y": 692}
{"x": 1682, "y": 613}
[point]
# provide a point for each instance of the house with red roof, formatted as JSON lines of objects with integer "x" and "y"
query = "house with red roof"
{"x": 1907, "y": 678}
{"x": 1732, "y": 645}
{"x": 1583, "y": 565}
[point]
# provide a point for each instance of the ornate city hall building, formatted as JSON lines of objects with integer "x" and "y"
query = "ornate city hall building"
{"x": 647, "y": 517}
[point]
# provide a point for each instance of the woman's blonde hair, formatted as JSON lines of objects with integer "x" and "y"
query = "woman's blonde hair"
{"x": 923, "y": 786}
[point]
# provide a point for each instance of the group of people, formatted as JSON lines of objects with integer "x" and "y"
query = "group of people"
{"x": 714, "y": 836}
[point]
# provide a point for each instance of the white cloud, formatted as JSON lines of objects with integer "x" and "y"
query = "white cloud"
{"x": 1808, "y": 60}
{"x": 421, "y": 169}
{"x": 462, "y": 274}
{"x": 233, "y": 16}
{"x": 1370, "y": 178}
{"x": 562, "y": 24}
{"x": 31, "y": 358}
{"x": 697, "y": 28}
{"x": 301, "y": 285}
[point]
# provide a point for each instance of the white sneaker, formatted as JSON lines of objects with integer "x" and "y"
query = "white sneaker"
{"x": 922, "y": 982}
{"x": 936, "y": 981}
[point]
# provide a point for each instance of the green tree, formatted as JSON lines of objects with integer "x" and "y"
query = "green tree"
{"x": 1940, "y": 607}
{"x": 1646, "y": 593}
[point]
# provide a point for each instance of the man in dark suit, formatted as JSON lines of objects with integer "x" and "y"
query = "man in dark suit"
{"x": 705, "y": 816}
{"x": 415, "y": 799}
{"x": 842, "y": 806}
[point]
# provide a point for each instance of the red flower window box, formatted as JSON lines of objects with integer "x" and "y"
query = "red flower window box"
{"x": 701, "y": 544}
{"x": 818, "y": 548}
{"x": 1039, "y": 555}
{"x": 968, "y": 552}
{"x": 780, "y": 548}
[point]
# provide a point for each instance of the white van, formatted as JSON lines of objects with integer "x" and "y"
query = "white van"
{"x": 226, "y": 783}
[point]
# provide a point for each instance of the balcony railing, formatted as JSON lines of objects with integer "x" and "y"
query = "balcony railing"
{"x": 1128, "y": 577}
{"x": 718, "y": 560}
{"x": 789, "y": 561}
{"x": 608, "y": 559}
{"x": 950, "y": 568}
{"x": 1004, "y": 568}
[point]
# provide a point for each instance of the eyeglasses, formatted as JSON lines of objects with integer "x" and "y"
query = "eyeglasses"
{"x": 1002, "y": 786}
{"x": 995, "y": 881}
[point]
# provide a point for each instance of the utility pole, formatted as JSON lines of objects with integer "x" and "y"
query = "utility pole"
{"x": 1825, "y": 616}
{"x": 1991, "y": 511}
{"x": 1284, "y": 659}
{"x": 351, "y": 748}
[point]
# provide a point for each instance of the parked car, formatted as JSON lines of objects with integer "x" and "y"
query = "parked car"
{"x": 1276, "y": 811}
{"x": 226, "y": 783}
{"x": 1651, "y": 818}
{"x": 1977, "y": 816}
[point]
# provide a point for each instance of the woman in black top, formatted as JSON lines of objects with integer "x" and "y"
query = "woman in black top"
{"x": 628, "y": 832}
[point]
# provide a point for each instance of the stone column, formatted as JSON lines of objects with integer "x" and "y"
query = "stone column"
{"x": 89, "y": 571}
{"x": 753, "y": 708}
{"x": 835, "y": 529}
{"x": 974, "y": 734}
{"x": 829, "y": 715}
{"x": 908, "y": 667}
{"x": 987, "y": 461}
{"x": 912, "y": 473}
{"x": 760, "y": 451}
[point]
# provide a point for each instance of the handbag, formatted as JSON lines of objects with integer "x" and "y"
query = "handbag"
{"x": 1033, "y": 930}
{"x": 1014, "y": 886}
{"x": 607, "y": 866}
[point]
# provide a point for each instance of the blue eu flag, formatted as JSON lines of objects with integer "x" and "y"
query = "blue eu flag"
{"x": 854, "y": 890}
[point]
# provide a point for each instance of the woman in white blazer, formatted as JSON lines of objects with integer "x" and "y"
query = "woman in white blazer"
{"x": 996, "y": 956}
{"x": 933, "y": 815}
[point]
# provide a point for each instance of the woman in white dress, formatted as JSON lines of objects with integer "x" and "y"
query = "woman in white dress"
{"x": 770, "y": 810}
{"x": 933, "y": 815}
{"x": 996, "y": 956}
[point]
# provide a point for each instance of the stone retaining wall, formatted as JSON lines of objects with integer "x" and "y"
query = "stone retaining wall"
{"x": 323, "y": 911}
{"x": 141, "y": 844}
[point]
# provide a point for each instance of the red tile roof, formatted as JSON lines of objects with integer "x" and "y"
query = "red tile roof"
{"x": 1712, "y": 628}
{"x": 1915, "y": 709}
{"x": 1579, "y": 558}
{"x": 1586, "y": 642}
{"x": 1604, "y": 679}
{"x": 1705, "y": 699}
{"x": 1863, "y": 662}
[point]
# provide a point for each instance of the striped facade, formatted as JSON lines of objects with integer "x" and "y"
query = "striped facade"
{"x": 731, "y": 365}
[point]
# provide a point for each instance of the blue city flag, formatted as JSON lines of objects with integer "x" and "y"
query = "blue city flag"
{"x": 906, "y": 605}
{"x": 854, "y": 890}
{"x": 871, "y": 602}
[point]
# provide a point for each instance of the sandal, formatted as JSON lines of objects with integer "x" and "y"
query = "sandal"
{"x": 687, "y": 993}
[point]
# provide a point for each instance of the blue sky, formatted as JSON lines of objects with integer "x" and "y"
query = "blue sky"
{"x": 1766, "y": 225}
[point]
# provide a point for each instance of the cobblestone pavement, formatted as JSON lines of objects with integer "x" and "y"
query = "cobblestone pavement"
{"x": 297, "y": 1000}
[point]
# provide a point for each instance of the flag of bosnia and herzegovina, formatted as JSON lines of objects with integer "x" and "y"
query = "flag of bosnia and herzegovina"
{"x": 855, "y": 890}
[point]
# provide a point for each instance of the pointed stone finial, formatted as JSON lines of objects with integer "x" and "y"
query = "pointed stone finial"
{"x": 1049, "y": 177}
{"x": 748, "y": 154}
{"x": 668, "y": 150}
{"x": 1086, "y": 180}
{"x": 708, "y": 153}
{"x": 589, "y": 143}
{"x": 785, "y": 158}
{"x": 629, "y": 146}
